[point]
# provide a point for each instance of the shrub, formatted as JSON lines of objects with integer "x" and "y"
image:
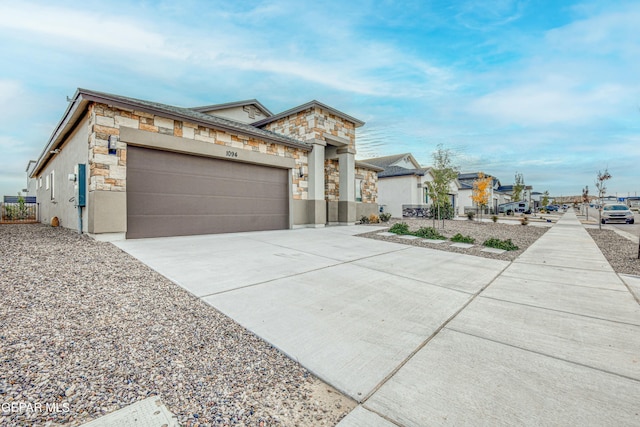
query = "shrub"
{"x": 471, "y": 215}
{"x": 524, "y": 220}
{"x": 374, "y": 219}
{"x": 385, "y": 217}
{"x": 494, "y": 218}
{"x": 364, "y": 219}
{"x": 463, "y": 239}
{"x": 507, "y": 245}
{"x": 400, "y": 228}
{"x": 429, "y": 233}
{"x": 446, "y": 211}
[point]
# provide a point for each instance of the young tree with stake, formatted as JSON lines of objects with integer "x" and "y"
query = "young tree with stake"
{"x": 444, "y": 172}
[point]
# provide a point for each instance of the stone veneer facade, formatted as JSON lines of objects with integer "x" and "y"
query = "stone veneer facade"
{"x": 312, "y": 123}
{"x": 107, "y": 172}
{"x": 369, "y": 184}
{"x": 331, "y": 180}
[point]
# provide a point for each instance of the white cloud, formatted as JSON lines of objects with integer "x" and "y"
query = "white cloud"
{"x": 83, "y": 28}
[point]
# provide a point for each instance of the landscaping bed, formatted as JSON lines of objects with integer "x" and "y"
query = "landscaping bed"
{"x": 90, "y": 329}
{"x": 521, "y": 236}
{"x": 621, "y": 253}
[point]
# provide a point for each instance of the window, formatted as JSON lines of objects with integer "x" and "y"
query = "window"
{"x": 53, "y": 187}
{"x": 40, "y": 182}
{"x": 358, "y": 190}
{"x": 46, "y": 182}
{"x": 426, "y": 195}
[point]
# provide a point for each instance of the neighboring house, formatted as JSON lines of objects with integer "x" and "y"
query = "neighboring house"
{"x": 159, "y": 170}
{"x": 31, "y": 188}
{"x": 507, "y": 190}
{"x": 498, "y": 193}
{"x": 402, "y": 189}
{"x": 466, "y": 203}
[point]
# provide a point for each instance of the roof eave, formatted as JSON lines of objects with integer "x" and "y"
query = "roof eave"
{"x": 82, "y": 97}
{"x": 177, "y": 116}
{"x": 71, "y": 115}
{"x": 310, "y": 104}
{"x": 215, "y": 107}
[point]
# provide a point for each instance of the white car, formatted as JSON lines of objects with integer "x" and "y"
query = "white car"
{"x": 616, "y": 212}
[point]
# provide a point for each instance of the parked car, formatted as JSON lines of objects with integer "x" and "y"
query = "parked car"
{"x": 551, "y": 208}
{"x": 616, "y": 212}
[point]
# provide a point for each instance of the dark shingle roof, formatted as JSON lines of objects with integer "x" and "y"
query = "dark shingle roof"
{"x": 400, "y": 171}
{"x": 189, "y": 114}
{"x": 385, "y": 162}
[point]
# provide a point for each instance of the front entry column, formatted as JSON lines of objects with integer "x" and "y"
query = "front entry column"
{"x": 346, "y": 201}
{"x": 316, "y": 205}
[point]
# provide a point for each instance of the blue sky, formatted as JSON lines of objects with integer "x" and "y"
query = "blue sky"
{"x": 550, "y": 89}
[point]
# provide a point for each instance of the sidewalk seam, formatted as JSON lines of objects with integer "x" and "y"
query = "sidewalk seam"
{"x": 432, "y": 336}
{"x": 562, "y": 311}
{"x": 545, "y": 355}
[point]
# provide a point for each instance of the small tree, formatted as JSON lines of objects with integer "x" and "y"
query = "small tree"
{"x": 545, "y": 198}
{"x": 443, "y": 172}
{"x": 480, "y": 193}
{"x": 602, "y": 190}
{"x": 518, "y": 188}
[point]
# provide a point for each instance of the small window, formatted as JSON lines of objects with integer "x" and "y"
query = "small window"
{"x": 358, "y": 190}
{"x": 40, "y": 182}
{"x": 53, "y": 187}
{"x": 426, "y": 195}
{"x": 46, "y": 182}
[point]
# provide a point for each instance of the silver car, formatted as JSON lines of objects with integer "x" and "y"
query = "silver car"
{"x": 616, "y": 212}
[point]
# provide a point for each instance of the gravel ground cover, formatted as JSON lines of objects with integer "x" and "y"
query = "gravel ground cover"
{"x": 621, "y": 253}
{"x": 521, "y": 236}
{"x": 86, "y": 326}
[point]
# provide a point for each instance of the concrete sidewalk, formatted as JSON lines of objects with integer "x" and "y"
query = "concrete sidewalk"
{"x": 553, "y": 340}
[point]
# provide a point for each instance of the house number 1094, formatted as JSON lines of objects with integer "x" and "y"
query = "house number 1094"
{"x": 232, "y": 154}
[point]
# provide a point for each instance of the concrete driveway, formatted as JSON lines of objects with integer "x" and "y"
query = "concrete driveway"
{"x": 425, "y": 337}
{"x": 349, "y": 309}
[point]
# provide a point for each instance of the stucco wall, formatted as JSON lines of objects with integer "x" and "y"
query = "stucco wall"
{"x": 73, "y": 151}
{"x": 394, "y": 192}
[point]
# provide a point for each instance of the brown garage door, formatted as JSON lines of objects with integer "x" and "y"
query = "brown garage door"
{"x": 172, "y": 194}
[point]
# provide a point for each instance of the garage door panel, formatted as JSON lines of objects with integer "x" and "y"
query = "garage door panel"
{"x": 174, "y": 184}
{"x": 166, "y": 225}
{"x": 172, "y": 194}
{"x": 174, "y": 204}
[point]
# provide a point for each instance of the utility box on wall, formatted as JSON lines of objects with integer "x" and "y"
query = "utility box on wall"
{"x": 81, "y": 185}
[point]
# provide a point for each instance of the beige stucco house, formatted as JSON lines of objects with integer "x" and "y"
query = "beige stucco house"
{"x": 159, "y": 170}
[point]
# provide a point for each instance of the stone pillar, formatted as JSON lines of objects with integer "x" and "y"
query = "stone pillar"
{"x": 347, "y": 199}
{"x": 316, "y": 204}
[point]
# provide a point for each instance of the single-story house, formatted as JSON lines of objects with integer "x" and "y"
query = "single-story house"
{"x": 402, "y": 185}
{"x": 159, "y": 170}
{"x": 496, "y": 195}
